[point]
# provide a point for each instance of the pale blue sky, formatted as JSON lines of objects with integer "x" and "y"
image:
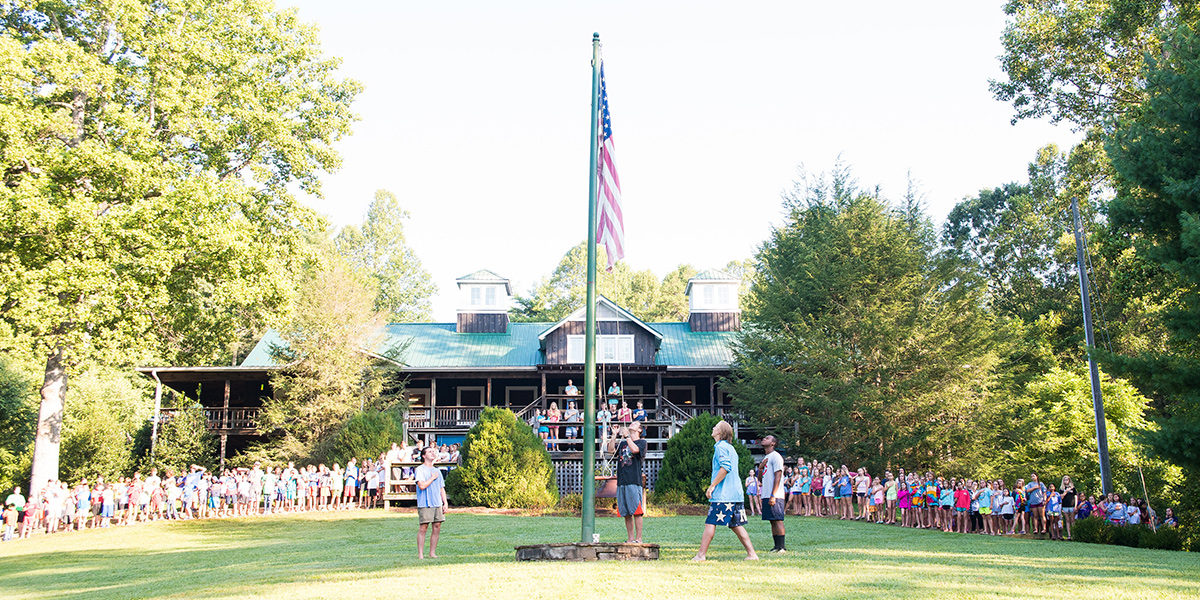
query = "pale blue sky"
{"x": 476, "y": 116}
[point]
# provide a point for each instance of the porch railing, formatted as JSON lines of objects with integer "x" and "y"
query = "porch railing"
{"x": 220, "y": 419}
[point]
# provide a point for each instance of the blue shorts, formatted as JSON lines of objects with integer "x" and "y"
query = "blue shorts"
{"x": 726, "y": 514}
{"x": 629, "y": 499}
{"x": 106, "y": 511}
{"x": 774, "y": 512}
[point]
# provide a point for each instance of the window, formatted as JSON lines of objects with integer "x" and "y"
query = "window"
{"x": 491, "y": 295}
{"x": 708, "y": 295}
{"x": 476, "y": 296}
{"x": 609, "y": 349}
{"x": 723, "y": 296}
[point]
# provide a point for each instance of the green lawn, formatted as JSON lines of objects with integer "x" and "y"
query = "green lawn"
{"x": 369, "y": 555}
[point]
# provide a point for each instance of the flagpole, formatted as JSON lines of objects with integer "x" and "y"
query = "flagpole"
{"x": 588, "y": 528}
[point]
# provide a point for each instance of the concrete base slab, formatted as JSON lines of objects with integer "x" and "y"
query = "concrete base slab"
{"x": 598, "y": 551}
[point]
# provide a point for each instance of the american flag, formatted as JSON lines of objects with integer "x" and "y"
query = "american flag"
{"x": 610, "y": 227}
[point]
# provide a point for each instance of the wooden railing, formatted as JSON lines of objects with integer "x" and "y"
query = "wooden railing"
{"x": 221, "y": 419}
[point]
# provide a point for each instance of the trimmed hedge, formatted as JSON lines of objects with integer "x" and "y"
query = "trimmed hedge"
{"x": 687, "y": 464}
{"x": 504, "y": 465}
{"x": 1095, "y": 530}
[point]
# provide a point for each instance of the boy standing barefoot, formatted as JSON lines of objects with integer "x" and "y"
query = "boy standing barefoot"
{"x": 431, "y": 502}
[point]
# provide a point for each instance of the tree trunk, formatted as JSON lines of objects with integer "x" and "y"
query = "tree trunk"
{"x": 50, "y": 416}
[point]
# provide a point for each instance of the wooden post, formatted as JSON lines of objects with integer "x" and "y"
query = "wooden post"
{"x": 433, "y": 401}
{"x": 488, "y": 396}
{"x": 712, "y": 396}
{"x": 543, "y": 390}
{"x": 225, "y": 424}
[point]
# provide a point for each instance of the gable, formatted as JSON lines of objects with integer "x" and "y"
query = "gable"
{"x": 606, "y": 311}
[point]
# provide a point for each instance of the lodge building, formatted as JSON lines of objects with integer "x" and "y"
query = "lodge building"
{"x": 483, "y": 359}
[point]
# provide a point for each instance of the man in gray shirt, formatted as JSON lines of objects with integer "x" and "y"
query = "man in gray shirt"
{"x": 431, "y": 501}
{"x": 773, "y": 492}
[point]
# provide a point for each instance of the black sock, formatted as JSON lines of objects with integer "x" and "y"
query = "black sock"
{"x": 778, "y": 542}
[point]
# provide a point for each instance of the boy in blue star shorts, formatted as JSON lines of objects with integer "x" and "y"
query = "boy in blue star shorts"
{"x": 725, "y": 494}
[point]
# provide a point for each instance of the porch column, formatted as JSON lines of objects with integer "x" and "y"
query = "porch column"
{"x": 433, "y": 401}
{"x": 712, "y": 395}
{"x": 225, "y": 424}
{"x": 543, "y": 390}
{"x": 488, "y": 396}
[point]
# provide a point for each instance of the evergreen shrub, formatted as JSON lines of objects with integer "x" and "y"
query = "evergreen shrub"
{"x": 366, "y": 434}
{"x": 1092, "y": 530}
{"x": 1166, "y": 538}
{"x": 687, "y": 464}
{"x": 504, "y": 465}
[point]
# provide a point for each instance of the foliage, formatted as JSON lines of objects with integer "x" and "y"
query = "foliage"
{"x": 147, "y": 151}
{"x": 1082, "y": 61}
{"x": 1050, "y": 429}
{"x": 640, "y": 292}
{"x": 18, "y": 418}
{"x": 183, "y": 439}
{"x": 504, "y": 465}
{"x": 378, "y": 248}
{"x": 328, "y": 375}
{"x": 366, "y": 434}
{"x": 862, "y": 344}
{"x": 1156, "y": 153}
{"x": 106, "y": 408}
{"x": 687, "y": 463}
{"x": 1092, "y": 530}
{"x": 673, "y": 496}
{"x": 1096, "y": 530}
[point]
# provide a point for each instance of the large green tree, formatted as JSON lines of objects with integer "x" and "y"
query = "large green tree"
{"x": 379, "y": 249}
{"x": 1081, "y": 61}
{"x": 330, "y": 345}
{"x": 147, "y": 149}
{"x": 641, "y": 292}
{"x": 861, "y": 342}
{"x": 1156, "y": 153}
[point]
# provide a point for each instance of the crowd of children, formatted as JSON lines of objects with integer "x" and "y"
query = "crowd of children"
{"x": 989, "y": 507}
{"x": 199, "y": 494}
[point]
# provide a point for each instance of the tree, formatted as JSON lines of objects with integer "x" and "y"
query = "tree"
{"x": 330, "y": 348}
{"x": 687, "y": 463}
{"x": 641, "y": 292}
{"x": 147, "y": 150}
{"x": 183, "y": 439}
{"x": 504, "y": 465}
{"x": 1082, "y": 62}
{"x": 106, "y": 409}
{"x": 1156, "y": 153}
{"x": 1050, "y": 429}
{"x": 379, "y": 249}
{"x": 18, "y": 419}
{"x": 861, "y": 342}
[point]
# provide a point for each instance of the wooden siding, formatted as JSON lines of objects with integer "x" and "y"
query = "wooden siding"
{"x": 715, "y": 321}
{"x": 643, "y": 342}
{"x": 483, "y": 322}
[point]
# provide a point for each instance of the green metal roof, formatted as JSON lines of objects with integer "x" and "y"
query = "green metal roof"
{"x": 438, "y": 346}
{"x": 486, "y": 276}
{"x": 711, "y": 275}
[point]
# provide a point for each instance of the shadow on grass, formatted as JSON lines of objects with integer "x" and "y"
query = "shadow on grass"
{"x": 246, "y": 557}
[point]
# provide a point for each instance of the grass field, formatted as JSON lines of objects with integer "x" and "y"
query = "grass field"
{"x": 369, "y": 555}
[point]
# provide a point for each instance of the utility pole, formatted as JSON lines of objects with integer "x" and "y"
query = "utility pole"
{"x": 1097, "y": 400}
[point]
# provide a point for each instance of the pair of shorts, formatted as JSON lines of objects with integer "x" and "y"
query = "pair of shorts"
{"x": 959, "y": 509}
{"x": 1008, "y": 517}
{"x": 726, "y": 514}
{"x": 945, "y": 507}
{"x": 430, "y": 514}
{"x": 629, "y": 499}
{"x": 985, "y": 511}
{"x": 773, "y": 512}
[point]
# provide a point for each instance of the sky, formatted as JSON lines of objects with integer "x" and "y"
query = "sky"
{"x": 476, "y": 115}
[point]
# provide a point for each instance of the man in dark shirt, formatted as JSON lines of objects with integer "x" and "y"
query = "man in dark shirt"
{"x": 629, "y": 452}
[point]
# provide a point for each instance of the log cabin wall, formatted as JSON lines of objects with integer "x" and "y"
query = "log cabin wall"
{"x": 715, "y": 321}
{"x": 482, "y": 322}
